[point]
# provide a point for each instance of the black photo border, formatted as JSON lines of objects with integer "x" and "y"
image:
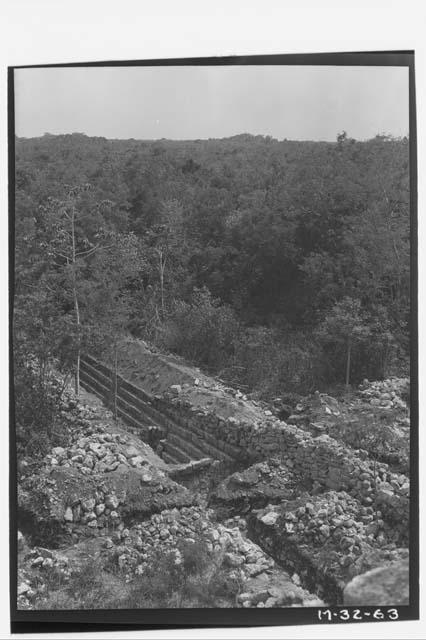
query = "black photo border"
{"x": 134, "y": 619}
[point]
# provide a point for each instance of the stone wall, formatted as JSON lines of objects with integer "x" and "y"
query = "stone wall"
{"x": 194, "y": 433}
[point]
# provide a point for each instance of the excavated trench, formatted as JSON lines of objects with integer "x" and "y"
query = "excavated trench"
{"x": 190, "y": 463}
{"x": 199, "y": 456}
{"x": 196, "y": 463}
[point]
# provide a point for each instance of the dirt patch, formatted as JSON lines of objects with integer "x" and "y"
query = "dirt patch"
{"x": 156, "y": 374}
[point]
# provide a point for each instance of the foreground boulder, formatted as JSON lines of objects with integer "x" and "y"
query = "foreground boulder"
{"x": 382, "y": 586}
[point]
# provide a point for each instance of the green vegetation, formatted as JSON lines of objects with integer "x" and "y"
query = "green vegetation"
{"x": 187, "y": 577}
{"x": 37, "y": 404}
{"x": 279, "y": 266}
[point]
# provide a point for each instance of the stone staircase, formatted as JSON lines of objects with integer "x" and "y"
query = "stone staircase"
{"x": 137, "y": 409}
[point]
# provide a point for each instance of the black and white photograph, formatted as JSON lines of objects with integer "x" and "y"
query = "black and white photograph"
{"x": 213, "y": 337}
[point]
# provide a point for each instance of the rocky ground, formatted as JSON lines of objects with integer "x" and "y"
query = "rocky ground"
{"x": 106, "y": 500}
{"x": 102, "y": 476}
{"x": 336, "y": 539}
{"x": 375, "y": 418}
{"x": 106, "y": 496}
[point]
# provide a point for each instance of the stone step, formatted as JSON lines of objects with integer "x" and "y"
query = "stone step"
{"x": 141, "y": 429}
{"x": 194, "y": 452}
{"x": 94, "y": 386}
{"x": 234, "y": 452}
{"x": 138, "y": 416}
{"x": 138, "y": 422}
{"x": 135, "y": 397}
{"x": 231, "y": 452}
{"x": 143, "y": 416}
{"x": 140, "y": 405}
{"x": 207, "y": 448}
{"x": 95, "y": 364}
{"x": 100, "y": 376}
{"x": 140, "y": 393}
{"x": 176, "y": 452}
{"x": 169, "y": 458}
{"x": 139, "y": 413}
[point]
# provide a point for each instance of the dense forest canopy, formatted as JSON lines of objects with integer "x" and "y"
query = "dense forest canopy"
{"x": 279, "y": 265}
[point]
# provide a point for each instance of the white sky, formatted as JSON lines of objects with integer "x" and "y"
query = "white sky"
{"x": 295, "y": 102}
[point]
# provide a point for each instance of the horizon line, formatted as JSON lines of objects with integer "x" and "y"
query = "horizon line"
{"x": 47, "y": 134}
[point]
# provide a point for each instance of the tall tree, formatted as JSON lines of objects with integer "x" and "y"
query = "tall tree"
{"x": 74, "y": 235}
{"x": 346, "y": 325}
{"x": 116, "y": 275}
{"x": 168, "y": 242}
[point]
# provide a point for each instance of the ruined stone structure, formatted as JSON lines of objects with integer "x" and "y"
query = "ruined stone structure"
{"x": 193, "y": 433}
{"x": 298, "y": 515}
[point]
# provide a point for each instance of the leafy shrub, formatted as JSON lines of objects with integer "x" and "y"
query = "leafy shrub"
{"x": 195, "y": 557}
{"x": 160, "y": 584}
{"x": 89, "y": 587}
{"x": 356, "y": 340}
{"x": 202, "y": 330}
{"x": 271, "y": 362}
{"x": 37, "y": 397}
{"x": 189, "y": 576}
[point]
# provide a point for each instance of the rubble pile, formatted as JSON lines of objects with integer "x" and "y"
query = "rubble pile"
{"x": 93, "y": 447}
{"x": 315, "y": 412}
{"x": 205, "y": 423}
{"x": 333, "y": 515}
{"x": 300, "y": 518}
{"x": 129, "y": 551}
{"x": 132, "y": 547}
{"x": 321, "y": 462}
{"x": 34, "y": 564}
{"x": 382, "y": 405}
{"x": 96, "y": 451}
{"x": 392, "y": 393}
{"x": 254, "y": 487}
{"x": 65, "y": 505}
{"x": 263, "y": 583}
{"x": 328, "y": 539}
